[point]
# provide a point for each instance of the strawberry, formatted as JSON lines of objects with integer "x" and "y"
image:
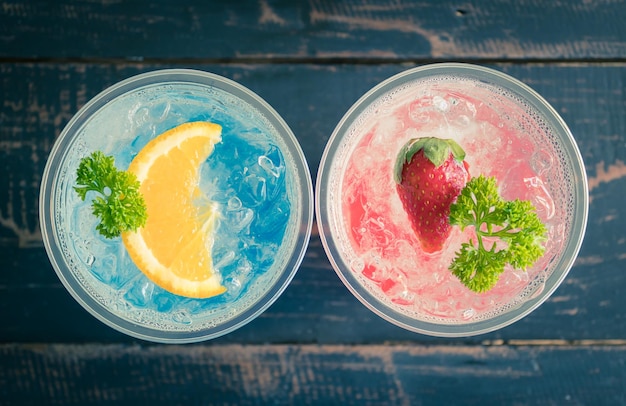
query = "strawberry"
{"x": 430, "y": 173}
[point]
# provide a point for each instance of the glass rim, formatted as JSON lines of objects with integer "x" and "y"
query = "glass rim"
{"x": 60, "y": 148}
{"x": 574, "y": 240}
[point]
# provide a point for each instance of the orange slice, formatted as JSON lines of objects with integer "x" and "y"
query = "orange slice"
{"x": 173, "y": 249}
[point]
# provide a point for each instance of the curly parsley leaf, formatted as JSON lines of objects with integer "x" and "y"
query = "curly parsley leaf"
{"x": 507, "y": 232}
{"x": 119, "y": 205}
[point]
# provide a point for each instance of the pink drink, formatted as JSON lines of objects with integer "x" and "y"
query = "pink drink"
{"x": 503, "y": 136}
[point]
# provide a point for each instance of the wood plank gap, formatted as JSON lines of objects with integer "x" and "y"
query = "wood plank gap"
{"x": 556, "y": 343}
{"x": 138, "y": 60}
{"x": 513, "y": 343}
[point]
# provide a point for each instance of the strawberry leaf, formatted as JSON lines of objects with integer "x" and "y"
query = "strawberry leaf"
{"x": 436, "y": 150}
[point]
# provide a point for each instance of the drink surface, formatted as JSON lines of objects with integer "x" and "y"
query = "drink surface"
{"x": 502, "y": 137}
{"x": 248, "y": 177}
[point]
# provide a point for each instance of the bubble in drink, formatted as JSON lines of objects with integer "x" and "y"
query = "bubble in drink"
{"x": 507, "y": 132}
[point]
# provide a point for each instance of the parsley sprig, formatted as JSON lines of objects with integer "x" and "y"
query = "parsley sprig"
{"x": 119, "y": 204}
{"x": 514, "y": 223}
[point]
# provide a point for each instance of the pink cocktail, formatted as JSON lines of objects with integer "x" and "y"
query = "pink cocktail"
{"x": 508, "y": 132}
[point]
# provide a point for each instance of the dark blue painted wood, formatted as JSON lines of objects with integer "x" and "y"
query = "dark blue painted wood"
{"x": 312, "y": 375}
{"x": 40, "y": 99}
{"x": 345, "y": 29}
{"x": 311, "y": 60}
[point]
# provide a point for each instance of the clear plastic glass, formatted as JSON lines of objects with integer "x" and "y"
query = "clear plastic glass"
{"x": 508, "y": 131}
{"x": 257, "y": 175}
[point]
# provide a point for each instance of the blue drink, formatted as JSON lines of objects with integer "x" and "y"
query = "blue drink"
{"x": 256, "y": 177}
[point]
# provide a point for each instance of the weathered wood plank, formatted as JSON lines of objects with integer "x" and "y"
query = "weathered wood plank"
{"x": 312, "y": 375}
{"x": 39, "y": 100}
{"x": 347, "y": 29}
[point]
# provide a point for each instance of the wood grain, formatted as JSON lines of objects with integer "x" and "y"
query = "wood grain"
{"x": 311, "y": 60}
{"x": 312, "y": 375}
{"x": 375, "y": 30}
{"x": 41, "y": 98}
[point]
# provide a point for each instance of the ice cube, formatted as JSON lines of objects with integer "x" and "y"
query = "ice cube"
{"x": 270, "y": 220}
{"x": 239, "y": 220}
{"x": 269, "y": 167}
{"x": 252, "y": 190}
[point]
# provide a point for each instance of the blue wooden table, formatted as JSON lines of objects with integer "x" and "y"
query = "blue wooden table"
{"x": 311, "y": 60}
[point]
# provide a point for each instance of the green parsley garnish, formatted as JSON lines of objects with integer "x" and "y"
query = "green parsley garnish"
{"x": 512, "y": 228}
{"x": 119, "y": 205}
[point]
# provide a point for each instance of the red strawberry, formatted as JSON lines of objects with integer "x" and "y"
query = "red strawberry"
{"x": 430, "y": 173}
